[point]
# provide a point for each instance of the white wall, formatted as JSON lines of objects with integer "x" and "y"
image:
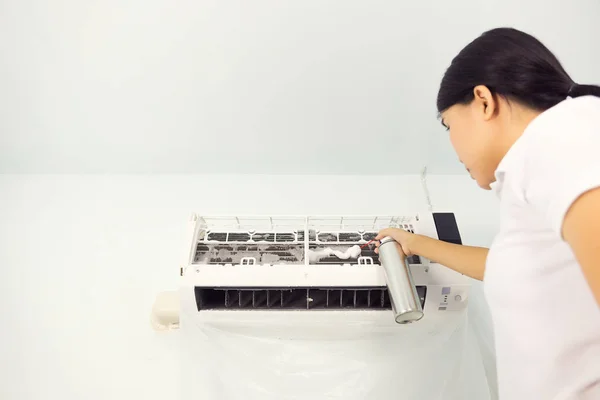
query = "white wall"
{"x": 314, "y": 86}
{"x": 81, "y": 258}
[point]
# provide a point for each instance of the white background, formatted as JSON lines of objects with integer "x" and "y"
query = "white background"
{"x": 262, "y": 86}
{"x": 158, "y": 87}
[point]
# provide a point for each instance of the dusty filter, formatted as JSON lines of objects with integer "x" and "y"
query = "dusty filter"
{"x": 403, "y": 293}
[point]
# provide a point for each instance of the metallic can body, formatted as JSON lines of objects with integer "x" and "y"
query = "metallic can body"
{"x": 406, "y": 304}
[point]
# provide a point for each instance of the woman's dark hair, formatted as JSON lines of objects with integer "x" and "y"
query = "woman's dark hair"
{"x": 512, "y": 64}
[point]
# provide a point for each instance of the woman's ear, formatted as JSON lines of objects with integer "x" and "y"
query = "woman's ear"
{"x": 484, "y": 102}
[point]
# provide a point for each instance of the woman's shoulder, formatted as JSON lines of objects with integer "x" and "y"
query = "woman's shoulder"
{"x": 582, "y": 111}
{"x": 572, "y": 122}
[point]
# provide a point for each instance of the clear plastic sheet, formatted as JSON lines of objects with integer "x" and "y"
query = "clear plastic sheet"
{"x": 337, "y": 355}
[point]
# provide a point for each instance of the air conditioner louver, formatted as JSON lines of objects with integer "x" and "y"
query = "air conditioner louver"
{"x": 375, "y": 298}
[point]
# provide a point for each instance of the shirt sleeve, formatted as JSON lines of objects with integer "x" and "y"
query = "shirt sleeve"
{"x": 561, "y": 166}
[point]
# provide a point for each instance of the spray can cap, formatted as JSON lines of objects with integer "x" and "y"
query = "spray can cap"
{"x": 386, "y": 239}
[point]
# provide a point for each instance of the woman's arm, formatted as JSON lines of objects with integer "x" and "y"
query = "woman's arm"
{"x": 467, "y": 260}
{"x": 581, "y": 229}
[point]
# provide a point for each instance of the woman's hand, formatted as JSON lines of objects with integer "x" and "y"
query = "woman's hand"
{"x": 403, "y": 238}
{"x": 466, "y": 260}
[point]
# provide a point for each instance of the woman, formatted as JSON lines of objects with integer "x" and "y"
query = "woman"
{"x": 525, "y": 129}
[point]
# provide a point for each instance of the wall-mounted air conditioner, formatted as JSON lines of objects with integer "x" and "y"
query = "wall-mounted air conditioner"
{"x": 274, "y": 264}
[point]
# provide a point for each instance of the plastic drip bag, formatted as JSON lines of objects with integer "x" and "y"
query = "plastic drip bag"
{"x": 329, "y": 355}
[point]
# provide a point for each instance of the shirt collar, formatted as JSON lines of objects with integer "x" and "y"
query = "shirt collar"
{"x": 511, "y": 156}
{"x": 498, "y": 184}
{"x": 515, "y": 152}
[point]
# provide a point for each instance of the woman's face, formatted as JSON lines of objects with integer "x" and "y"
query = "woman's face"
{"x": 474, "y": 132}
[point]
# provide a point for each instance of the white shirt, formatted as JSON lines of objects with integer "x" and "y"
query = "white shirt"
{"x": 546, "y": 320}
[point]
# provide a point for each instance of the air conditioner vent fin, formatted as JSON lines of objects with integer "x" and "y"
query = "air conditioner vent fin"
{"x": 371, "y": 298}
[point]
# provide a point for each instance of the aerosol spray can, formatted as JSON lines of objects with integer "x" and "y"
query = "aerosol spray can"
{"x": 403, "y": 293}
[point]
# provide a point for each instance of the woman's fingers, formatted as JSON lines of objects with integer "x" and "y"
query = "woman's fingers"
{"x": 383, "y": 233}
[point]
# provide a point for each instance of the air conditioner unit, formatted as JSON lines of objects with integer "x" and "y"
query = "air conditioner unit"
{"x": 282, "y": 308}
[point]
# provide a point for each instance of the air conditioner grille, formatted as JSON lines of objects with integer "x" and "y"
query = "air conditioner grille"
{"x": 301, "y": 298}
